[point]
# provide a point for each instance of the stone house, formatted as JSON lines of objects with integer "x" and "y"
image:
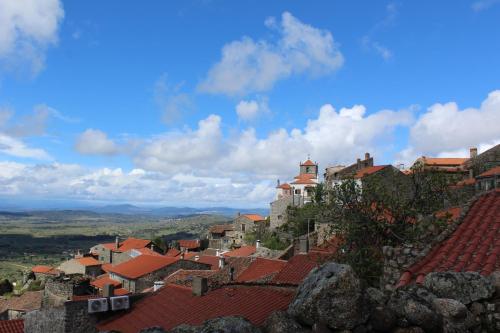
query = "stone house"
{"x": 85, "y": 266}
{"x": 247, "y": 223}
{"x": 17, "y": 306}
{"x": 296, "y": 193}
{"x": 221, "y": 236}
{"x": 488, "y": 180}
{"x": 187, "y": 245}
{"x": 42, "y": 272}
{"x": 141, "y": 272}
{"x": 113, "y": 253}
{"x": 338, "y": 173}
{"x": 477, "y": 164}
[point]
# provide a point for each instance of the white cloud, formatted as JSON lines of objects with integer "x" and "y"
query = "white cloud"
{"x": 95, "y": 142}
{"x": 28, "y": 27}
{"x": 15, "y": 147}
{"x": 368, "y": 42}
{"x": 249, "y": 110}
{"x": 171, "y": 100}
{"x": 255, "y": 66}
{"x": 481, "y": 5}
{"x": 445, "y": 129}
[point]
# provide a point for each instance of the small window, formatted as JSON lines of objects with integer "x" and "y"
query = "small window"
{"x": 280, "y": 217}
{"x": 243, "y": 227}
{"x": 297, "y": 191}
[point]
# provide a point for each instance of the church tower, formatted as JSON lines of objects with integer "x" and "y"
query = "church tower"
{"x": 309, "y": 168}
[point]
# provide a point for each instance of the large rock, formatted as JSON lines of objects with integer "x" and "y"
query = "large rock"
{"x": 154, "y": 329}
{"x": 456, "y": 317}
{"x": 413, "y": 305}
{"x": 331, "y": 294}
{"x": 282, "y": 322}
{"x": 382, "y": 319}
{"x": 220, "y": 325}
{"x": 463, "y": 287}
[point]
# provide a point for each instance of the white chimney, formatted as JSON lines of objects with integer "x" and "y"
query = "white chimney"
{"x": 217, "y": 253}
{"x": 196, "y": 258}
{"x": 222, "y": 262}
{"x": 257, "y": 243}
{"x": 157, "y": 285}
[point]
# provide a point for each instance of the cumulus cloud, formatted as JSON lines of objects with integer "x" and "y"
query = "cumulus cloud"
{"x": 17, "y": 148}
{"x": 28, "y": 28}
{"x": 249, "y": 110}
{"x": 445, "y": 129}
{"x": 95, "y": 142}
{"x": 254, "y": 66}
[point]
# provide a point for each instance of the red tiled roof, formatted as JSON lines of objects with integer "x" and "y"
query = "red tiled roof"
{"x": 308, "y": 163}
{"x": 243, "y": 251}
{"x": 185, "y": 277}
{"x": 473, "y": 247}
{"x": 121, "y": 292}
{"x": 254, "y": 217}
{"x": 12, "y": 326}
{"x": 88, "y": 261}
{"x": 213, "y": 261}
{"x": 444, "y": 161}
{"x": 261, "y": 268}
{"x": 189, "y": 244}
{"x": 173, "y": 252}
{"x": 368, "y": 171}
{"x": 491, "y": 172}
{"x": 221, "y": 228}
{"x": 284, "y": 186}
{"x": 173, "y": 305}
{"x": 147, "y": 251}
{"x": 141, "y": 265}
{"x": 128, "y": 244}
{"x": 103, "y": 280}
{"x": 296, "y": 269}
{"x": 40, "y": 269}
{"x": 106, "y": 267}
{"x": 304, "y": 181}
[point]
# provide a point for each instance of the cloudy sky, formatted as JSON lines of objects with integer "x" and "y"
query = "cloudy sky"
{"x": 208, "y": 102}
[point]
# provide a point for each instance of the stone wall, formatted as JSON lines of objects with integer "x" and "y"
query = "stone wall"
{"x": 60, "y": 289}
{"x": 485, "y": 161}
{"x": 278, "y": 214}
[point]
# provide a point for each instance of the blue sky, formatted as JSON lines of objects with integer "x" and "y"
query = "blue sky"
{"x": 206, "y": 103}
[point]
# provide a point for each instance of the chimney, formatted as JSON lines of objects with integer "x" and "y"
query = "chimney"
{"x": 217, "y": 253}
{"x": 117, "y": 242}
{"x": 367, "y": 156}
{"x": 182, "y": 255}
{"x": 231, "y": 274}
{"x": 157, "y": 285}
{"x": 358, "y": 164}
{"x": 196, "y": 258}
{"x": 257, "y": 243}
{"x": 200, "y": 285}
{"x": 152, "y": 247}
{"x": 222, "y": 261}
{"x": 239, "y": 213}
{"x": 303, "y": 244}
{"x": 108, "y": 290}
{"x": 473, "y": 152}
{"x": 278, "y": 183}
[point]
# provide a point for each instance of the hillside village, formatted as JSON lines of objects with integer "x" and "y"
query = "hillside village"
{"x": 233, "y": 280}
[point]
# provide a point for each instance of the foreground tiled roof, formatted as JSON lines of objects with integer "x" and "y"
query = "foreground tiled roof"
{"x": 173, "y": 252}
{"x": 28, "y": 301}
{"x": 254, "y": 217}
{"x": 103, "y": 280}
{"x": 296, "y": 269}
{"x": 369, "y": 171}
{"x": 473, "y": 247}
{"x": 243, "y": 251}
{"x": 261, "y": 268}
{"x": 12, "y": 326}
{"x": 142, "y": 265}
{"x": 491, "y": 172}
{"x": 220, "y": 228}
{"x": 189, "y": 243}
{"x": 213, "y": 261}
{"x": 88, "y": 261}
{"x": 173, "y": 305}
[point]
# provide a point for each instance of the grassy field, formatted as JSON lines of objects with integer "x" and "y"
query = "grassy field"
{"x": 47, "y": 238}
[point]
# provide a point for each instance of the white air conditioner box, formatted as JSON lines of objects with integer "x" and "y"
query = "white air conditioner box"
{"x": 119, "y": 303}
{"x": 98, "y": 305}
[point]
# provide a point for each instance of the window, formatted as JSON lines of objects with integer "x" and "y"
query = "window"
{"x": 242, "y": 227}
{"x": 308, "y": 169}
{"x": 280, "y": 217}
{"x": 102, "y": 258}
{"x": 297, "y": 191}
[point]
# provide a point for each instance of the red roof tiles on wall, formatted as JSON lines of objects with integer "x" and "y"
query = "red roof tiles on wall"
{"x": 174, "y": 305}
{"x": 189, "y": 244}
{"x": 295, "y": 270}
{"x": 369, "y": 171}
{"x": 243, "y": 251}
{"x": 261, "y": 268}
{"x": 142, "y": 265}
{"x": 12, "y": 326}
{"x": 473, "y": 247}
{"x": 491, "y": 172}
{"x": 254, "y": 217}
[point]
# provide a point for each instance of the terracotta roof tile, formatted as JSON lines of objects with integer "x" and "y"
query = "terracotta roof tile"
{"x": 185, "y": 277}
{"x": 491, "y": 172}
{"x": 444, "y": 161}
{"x": 106, "y": 267}
{"x": 284, "y": 186}
{"x": 221, "y": 228}
{"x": 173, "y": 305}
{"x": 473, "y": 246}
{"x": 142, "y": 265}
{"x": 172, "y": 252}
{"x": 243, "y": 251}
{"x": 121, "y": 292}
{"x": 297, "y": 268}
{"x": 254, "y": 217}
{"x": 40, "y": 269}
{"x": 146, "y": 251}
{"x": 189, "y": 244}
{"x": 128, "y": 244}
{"x": 213, "y": 261}
{"x": 261, "y": 268}
{"x": 369, "y": 171}
{"x": 12, "y": 326}
{"x": 304, "y": 181}
{"x": 28, "y": 301}
{"x": 308, "y": 163}
{"x": 88, "y": 261}
{"x": 103, "y": 280}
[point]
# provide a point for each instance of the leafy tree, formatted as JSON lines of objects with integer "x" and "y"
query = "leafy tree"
{"x": 159, "y": 242}
{"x": 5, "y": 287}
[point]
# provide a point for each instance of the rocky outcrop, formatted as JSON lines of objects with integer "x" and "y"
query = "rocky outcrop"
{"x": 331, "y": 294}
{"x": 282, "y": 322}
{"x": 220, "y": 325}
{"x": 464, "y": 287}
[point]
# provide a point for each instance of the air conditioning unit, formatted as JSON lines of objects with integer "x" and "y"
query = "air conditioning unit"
{"x": 98, "y": 305}
{"x": 119, "y": 303}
